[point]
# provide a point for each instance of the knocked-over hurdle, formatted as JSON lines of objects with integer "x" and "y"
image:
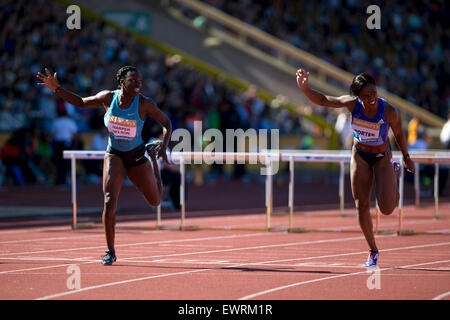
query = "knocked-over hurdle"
{"x": 267, "y": 158}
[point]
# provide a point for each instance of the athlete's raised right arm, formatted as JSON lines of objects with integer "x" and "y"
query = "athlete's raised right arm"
{"x": 103, "y": 98}
{"x": 319, "y": 98}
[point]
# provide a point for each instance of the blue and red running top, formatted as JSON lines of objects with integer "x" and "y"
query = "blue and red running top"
{"x": 370, "y": 131}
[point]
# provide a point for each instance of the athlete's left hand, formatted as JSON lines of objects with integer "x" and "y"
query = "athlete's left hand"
{"x": 409, "y": 164}
{"x": 48, "y": 80}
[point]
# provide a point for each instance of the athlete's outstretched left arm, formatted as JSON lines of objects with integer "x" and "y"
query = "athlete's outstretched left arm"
{"x": 103, "y": 98}
{"x": 395, "y": 121}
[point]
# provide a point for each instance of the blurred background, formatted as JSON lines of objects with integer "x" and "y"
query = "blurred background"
{"x": 228, "y": 63}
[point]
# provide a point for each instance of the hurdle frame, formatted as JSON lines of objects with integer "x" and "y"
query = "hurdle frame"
{"x": 342, "y": 157}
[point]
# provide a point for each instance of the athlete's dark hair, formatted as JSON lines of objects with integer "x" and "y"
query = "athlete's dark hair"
{"x": 359, "y": 82}
{"x": 122, "y": 73}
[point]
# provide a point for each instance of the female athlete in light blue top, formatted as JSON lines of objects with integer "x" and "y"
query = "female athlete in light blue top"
{"x": 371, "y": 157}
{"x": 124, "y": 125}
{"x": 126, "y": 111}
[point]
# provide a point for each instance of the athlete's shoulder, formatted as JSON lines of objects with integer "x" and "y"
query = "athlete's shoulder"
{"x": 107, "y": 92}
{"x": 391, "y": 113}
{"x": 356, "y": 105}
{"x": 389, "y": 108}
{"x": 147, "y": 101}
{"x": 102, "y": 98}
{"x": 106, "y": 96}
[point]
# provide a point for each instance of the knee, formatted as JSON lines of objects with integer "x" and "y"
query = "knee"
{"x": 110, "y": 201}
{"x": 154, "y": 201}
{"x": 386, "y": 210}
{"x": 362, "y": 206}
{"x": 388, "y": 207}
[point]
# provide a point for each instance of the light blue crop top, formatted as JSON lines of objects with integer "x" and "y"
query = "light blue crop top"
{"x": 124, "y": 125}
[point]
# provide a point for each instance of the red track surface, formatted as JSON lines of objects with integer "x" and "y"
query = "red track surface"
{"x": 229, "y": 264}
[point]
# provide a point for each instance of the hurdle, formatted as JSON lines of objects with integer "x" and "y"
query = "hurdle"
{"x": 267, "y": 158}
{"x": 342, "y": 157}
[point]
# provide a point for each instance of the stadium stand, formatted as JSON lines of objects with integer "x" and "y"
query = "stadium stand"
{"x": 414, "y": 34}
{"x": 35, "y": 36}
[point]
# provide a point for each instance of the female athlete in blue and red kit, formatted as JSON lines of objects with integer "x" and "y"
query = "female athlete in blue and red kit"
{"x": 371, "y": 118}
{"x": 126, "y": 110}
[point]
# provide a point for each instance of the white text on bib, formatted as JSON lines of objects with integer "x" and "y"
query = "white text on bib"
{"x": 366, "y": 131}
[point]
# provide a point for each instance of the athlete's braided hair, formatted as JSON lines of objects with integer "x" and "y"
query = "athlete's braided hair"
{"x": 122, "y": 72}
{"x": 359, "y": 82}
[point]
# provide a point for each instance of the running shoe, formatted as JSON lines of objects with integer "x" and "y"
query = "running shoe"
{"x": 109, "y": 258}
{"x": 153, "y": 147}
{"x": 396, "y": 166}
{"x": 372, "y": 259}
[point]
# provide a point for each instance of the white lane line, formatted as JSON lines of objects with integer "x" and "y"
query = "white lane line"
{"x": 382, "y": 251}
{"x": 131, "y": 259}
{"x": 41, "y": 268}
{"x": 257, "y": 294}
{"x": 136, "y": 244}
{"x": 57, "y": 295}
{"x": 262, "y": 247}
{"x": 210, "y": 238}
{"x": 52, "y": 239}
{"x": 139, "y": 257}
{"x": 33, "y": 229}
{"x": 441, "y": 296}
{"x": 134, "y": 259}
{"x": 109, "y": 284}
{"x": 187, "y": 272}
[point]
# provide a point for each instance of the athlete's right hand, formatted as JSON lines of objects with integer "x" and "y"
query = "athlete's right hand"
{"x": 48, "y": 80}
{"x": 302, "y": 78}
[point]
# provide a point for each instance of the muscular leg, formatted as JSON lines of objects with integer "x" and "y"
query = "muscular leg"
{"x": 386, "y": 185}
{"x": 361, "y": 176}
{"x": 157, "y": 173}
{"x": 113, "y": 175}
{"x": 147, "y": 179}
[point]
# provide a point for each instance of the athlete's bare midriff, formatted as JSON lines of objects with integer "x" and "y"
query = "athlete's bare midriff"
{"x": 372, "y": 149}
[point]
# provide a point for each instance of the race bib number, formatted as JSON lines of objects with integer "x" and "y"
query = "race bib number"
{"x": 366, "y": 131}
{"x": 122, "y": 128}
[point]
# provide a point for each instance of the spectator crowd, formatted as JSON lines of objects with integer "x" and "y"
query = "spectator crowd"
{"x": 408, "y": 55}
{"x": 33, "y": 35}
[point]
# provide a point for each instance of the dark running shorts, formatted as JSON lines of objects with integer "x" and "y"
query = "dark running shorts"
{"x": 372, "y": 158}
{"x": 130, "y": 158}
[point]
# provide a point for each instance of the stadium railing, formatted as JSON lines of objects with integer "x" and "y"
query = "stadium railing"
{"x": 238, "y": 33}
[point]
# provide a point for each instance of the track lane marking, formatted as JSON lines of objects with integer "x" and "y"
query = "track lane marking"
{"x": 51, "y": 239}
{"x": 137, "y": 244}
{"x": 57, "y": 295}
{"x": 257, "y": 294}
{"x": 441, "y": 296}
{"x": 197, "y": 252}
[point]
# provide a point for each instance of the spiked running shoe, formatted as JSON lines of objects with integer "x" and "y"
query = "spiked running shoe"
{"x": 153, "y": 147}
{"x": 109, "y": 258}
{"x": 396, "y": 166}
{"x": 372, "y": 259}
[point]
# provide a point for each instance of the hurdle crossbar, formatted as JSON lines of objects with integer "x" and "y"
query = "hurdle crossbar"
{"x": 266, "y": 158}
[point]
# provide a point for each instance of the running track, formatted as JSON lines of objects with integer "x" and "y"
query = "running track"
{"x": 45, "y": 263}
